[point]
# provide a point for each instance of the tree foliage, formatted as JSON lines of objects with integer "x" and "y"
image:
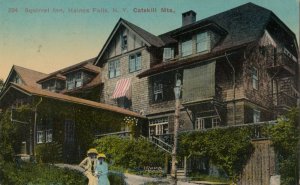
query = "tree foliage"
{"x": 10, "y": 136}
{"x": 1, "y": 84}
{"x": 285, "y": 136}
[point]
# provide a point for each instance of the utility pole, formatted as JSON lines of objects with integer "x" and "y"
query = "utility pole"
{"x": 177, "y": 91}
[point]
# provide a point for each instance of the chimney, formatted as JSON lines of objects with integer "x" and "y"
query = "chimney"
{"x": 188, "y": 17}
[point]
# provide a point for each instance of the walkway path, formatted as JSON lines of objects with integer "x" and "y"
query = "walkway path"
{"x": 131, "y": 179}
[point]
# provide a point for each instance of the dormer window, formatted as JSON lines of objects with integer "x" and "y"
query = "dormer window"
{"x": 74, "y": 80}
{"x": 17, "y": 80}
{"x": 203, "y": 42}
{"x": 168, "y": 54}
{"x": 186, "y": 48}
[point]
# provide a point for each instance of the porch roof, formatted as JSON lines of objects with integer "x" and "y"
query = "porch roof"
{"x": 61, "y": 97}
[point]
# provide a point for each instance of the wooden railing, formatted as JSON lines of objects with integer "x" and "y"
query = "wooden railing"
{"x": 284, "y": 99}
{"x": 122, "y": 133}
{"x": 282, "y": 60}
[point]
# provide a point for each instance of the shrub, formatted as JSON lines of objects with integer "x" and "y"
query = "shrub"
{"x": 38, "y": 174}
{"x": 130, "y": 154}
{"x": 49, "y": 152}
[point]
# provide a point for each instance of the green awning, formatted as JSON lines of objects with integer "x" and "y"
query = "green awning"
{"x": 199, "y": 83}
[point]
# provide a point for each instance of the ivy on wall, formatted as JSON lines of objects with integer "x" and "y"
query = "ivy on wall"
{"x": 228, "y": 148}
{"x": 88, "y": 121}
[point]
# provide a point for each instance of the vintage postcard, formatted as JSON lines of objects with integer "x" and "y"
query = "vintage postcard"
{"x": 144, "y": 92}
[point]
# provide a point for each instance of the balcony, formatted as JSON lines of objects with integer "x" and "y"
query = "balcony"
{"x": 282, "y": 65}
{"x": 284, "y": 100}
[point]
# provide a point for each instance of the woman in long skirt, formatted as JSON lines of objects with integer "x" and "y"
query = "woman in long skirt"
{"x": 102, "y": 170}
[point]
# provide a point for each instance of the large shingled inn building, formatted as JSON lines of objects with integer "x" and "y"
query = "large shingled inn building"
{"x": 236, "y": 67}
{"x": 239, "y": 66}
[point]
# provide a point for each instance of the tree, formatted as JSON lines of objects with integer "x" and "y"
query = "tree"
{"x": 1, "y": 84}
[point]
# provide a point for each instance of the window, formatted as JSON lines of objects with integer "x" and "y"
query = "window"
{"x": 215, "y": 122}
{"x": 168, "y": 53}
{"x": 158, "y": 91}
{"x": 256, "y": 116}
{"x": 48, "y": 134}
{"x": 114, "y": 68}
{"x": 159, "y": 126}
{"x": 40, "y": 136}
{"x": 17, "y": 80}
{"x": 203, "y": 42}
{"x": 124, "y": 102}
{"x": 78, "y": 80}
{"x": 124, "y": 42}
{"x": 74, "y": 80}
{"x": 255, "y": 78}
{"x": 186, "y": 48}
{"x": 200, "y": 124}
{"x": 207, "y": 122}
{"x": 44, "y": 131}
{"x": 69, "y": 131}
{"x": 135, "y": 62}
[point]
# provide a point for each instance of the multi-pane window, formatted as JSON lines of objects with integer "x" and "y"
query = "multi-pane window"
{"x": 114, "y": 68}
{"x": 40, "y": 137}
{"x": 44, "y": 133}
{"x": 135, "y": 62}
{"x": 74, "y": 80}
{"x": 203, "y": 42}
{"x": 124, "y": 43}
{"x": 207, "y": 122}
{"x": 168, "y": 54}
{"x": 158, "y": 91}
{"x": 159, "y": 126}
{"x": 200, "y": 124}
{"x": 48, "y": 134}
{"x": 255, "y": 79}
{"x": 186, "y": 48}
{"x": 69, "y": 131}
{"x": 256, "y": 116}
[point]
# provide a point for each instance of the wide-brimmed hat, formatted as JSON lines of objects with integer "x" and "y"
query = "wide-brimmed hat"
{"x": 101, "y": 155}
{"x": 92, "y": 151}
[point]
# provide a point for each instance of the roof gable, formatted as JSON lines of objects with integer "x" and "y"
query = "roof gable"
{"x": 29, "y": 77}
{"x": 148, "y": 38}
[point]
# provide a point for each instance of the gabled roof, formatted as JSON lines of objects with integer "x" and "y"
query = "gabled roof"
{"x": 147, "y": 37}
{"x": 29, "y": 77}
{"x": 244, "y": 25}
{"x": 65, "y": 98}
{"x": 86, "y": 65}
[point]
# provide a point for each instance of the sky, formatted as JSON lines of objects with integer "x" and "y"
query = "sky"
{"x": 58, "y": 37}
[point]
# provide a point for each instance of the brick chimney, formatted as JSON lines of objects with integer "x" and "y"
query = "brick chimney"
{"x": 188, "y": 17}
